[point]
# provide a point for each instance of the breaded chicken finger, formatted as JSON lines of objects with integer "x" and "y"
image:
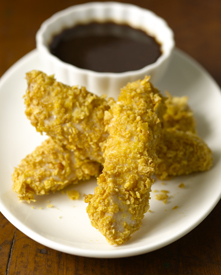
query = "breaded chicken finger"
{"x": 182, "y": 153}
{"x": 71, "y": 115}
{"x": 50, "y": 167}
{"x": 122, "y": 196}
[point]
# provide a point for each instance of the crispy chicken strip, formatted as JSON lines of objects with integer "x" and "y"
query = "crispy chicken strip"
{"x": 122, "y": 196}
{"x": 182, "y": 153}
{"x": 50, "y": 167}
{"x": 71, "y": 115}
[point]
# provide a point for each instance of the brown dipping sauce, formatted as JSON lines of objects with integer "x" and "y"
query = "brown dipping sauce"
{"x": 106, "y": 47}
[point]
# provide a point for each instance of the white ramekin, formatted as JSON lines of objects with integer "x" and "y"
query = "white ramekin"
{"x": 96, "y": 82}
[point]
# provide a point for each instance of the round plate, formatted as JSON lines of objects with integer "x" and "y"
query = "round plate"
{"x": 66, "y": 227}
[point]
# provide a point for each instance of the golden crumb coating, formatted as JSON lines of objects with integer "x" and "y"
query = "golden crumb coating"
{"x": 122, "y": 196}
{"x": 50, "y": 167}
{"x": 71, "y": 115}
{"x": 182, "y": 153}
{"x": 178, "y": 114}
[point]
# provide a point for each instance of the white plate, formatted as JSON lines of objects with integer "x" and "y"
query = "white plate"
{"x": 66, "y": 227}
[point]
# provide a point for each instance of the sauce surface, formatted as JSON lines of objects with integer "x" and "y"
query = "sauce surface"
{"x": 105, "y": 47}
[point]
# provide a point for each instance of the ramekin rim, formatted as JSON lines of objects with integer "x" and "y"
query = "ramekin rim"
{"x": 41, "y": 45}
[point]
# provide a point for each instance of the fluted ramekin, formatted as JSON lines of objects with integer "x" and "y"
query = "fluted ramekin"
{"x": 96, "y": 82}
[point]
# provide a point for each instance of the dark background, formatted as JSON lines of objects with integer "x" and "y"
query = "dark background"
{"x": 197, "y": 28}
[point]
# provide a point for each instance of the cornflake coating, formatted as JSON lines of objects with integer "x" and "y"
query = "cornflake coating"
{"x": 50, "y": 167}
{"x": 178, "y": 114}
{"x": 182, "y": 153}
{"x": 122, "y": 196}
{"x": 71, "y": 115}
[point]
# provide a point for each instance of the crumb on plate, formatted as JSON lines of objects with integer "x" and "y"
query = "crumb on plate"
{"x": 163, "y": 196}
{"x": 73, "y": 194}
{"x": 182, "y": 185}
